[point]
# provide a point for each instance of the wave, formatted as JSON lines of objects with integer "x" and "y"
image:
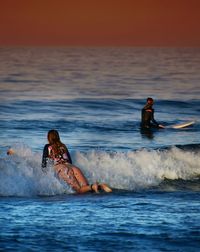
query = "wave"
{"x": 164, "y": 169}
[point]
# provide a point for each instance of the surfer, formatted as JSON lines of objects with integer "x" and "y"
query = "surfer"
{"x": 10, "y": 151}
{"x": 57, "y": 152}
{"x": 147, "y": 115}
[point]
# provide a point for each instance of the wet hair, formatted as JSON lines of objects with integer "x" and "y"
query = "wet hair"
{"x": 54, "y": 140}
{"x": 53, "y": 137}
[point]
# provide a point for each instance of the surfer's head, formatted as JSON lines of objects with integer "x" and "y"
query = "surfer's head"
{"x": 53, "y": 136}
{"x": 10, "y": 151}
{"x": 150, "y": 100}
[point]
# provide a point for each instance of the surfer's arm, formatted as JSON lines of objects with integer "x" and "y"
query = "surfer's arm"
{"x": 153, "y": 120}
{"x": 157, "y": 124}
{"x": 44, "y": 157}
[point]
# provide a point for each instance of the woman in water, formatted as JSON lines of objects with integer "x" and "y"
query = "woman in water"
{"x": 56, "y": 151}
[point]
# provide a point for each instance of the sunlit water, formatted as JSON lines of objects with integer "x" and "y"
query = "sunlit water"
{"x": 94, "y": 96}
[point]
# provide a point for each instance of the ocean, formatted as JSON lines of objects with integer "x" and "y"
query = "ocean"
{"x": 94, "y": 97}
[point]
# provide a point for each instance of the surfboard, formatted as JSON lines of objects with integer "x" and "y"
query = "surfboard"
{"x": 182, "y": 125}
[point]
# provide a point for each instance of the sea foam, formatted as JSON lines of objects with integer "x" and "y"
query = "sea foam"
{"x": 21, "y": 174}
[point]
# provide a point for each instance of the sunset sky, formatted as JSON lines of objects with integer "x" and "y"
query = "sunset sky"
{"x": 100, "y": 22}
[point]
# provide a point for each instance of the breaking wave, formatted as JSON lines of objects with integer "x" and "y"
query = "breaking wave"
{"x": 21, "y": 174}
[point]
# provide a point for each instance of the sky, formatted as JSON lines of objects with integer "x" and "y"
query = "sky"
{"x": 170, "y": 23}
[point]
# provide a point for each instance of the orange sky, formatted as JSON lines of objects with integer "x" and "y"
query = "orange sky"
{"x": 100, "y": 22}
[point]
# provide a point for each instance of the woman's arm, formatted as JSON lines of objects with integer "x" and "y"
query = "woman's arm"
{"x": 45, "y": 156}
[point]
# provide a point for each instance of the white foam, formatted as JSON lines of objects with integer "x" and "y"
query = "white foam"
{"x": 21, "y": 174}
{"x": 138, "y": 169}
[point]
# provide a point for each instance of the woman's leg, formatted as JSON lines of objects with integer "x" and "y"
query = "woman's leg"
{"x": 74, "y": 177}
{"x": 105, "y": 187}
{"x": 67, "y": 175}
{"x": 84, "y": 183}
{"x": 85, "y": 187}
{"x": 79, "y": 176}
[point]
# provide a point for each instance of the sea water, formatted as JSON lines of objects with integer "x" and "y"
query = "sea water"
{"x": 94, "y": 97}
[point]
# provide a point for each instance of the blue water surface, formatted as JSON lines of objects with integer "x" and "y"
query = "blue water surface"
{"x": 94, "y": 97}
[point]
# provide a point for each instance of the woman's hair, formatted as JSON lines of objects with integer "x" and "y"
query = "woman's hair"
{"x": 54, "y": 140}
{"x": 53, "y": 137}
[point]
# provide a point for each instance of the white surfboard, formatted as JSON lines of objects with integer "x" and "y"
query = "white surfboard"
{"x": 182, "y": 125}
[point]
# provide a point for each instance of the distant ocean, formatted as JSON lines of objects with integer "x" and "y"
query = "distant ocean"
{"x": 94, "y": 97}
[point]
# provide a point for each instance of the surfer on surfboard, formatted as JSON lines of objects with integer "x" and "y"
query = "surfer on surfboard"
{"x": 58, "y": 153}
{"x": 147, "y": 116}
{"x": 148, "y": 122}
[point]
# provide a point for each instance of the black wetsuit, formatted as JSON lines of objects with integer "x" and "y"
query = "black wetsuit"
{"x": 45, "y": 156}
{"x": 148, "y": 120}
